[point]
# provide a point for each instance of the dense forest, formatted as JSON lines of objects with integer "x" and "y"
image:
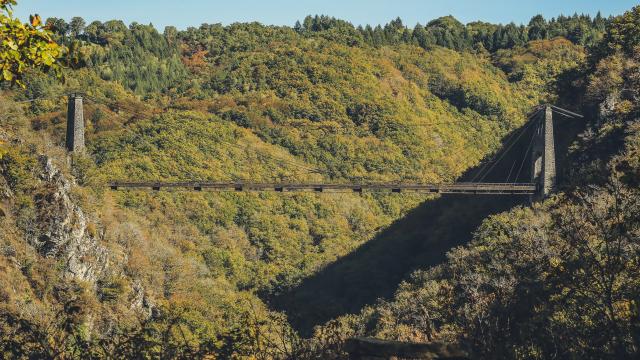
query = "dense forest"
{"x": 90, "y": 273}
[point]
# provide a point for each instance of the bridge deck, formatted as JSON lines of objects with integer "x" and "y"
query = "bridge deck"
{"x": 455, "y": 188}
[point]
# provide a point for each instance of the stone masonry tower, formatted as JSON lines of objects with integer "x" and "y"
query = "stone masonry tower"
{"x": 543, "y": 160}
{"x": 75, "y": 124}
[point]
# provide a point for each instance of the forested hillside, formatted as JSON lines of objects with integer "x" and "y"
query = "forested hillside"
{"x": 87, "y": 272}
{"x": 555, "y": 280}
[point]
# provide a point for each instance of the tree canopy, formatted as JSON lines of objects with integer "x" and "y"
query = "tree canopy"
{"x": 24, "y": 46}
{"x": 86, "y": 272}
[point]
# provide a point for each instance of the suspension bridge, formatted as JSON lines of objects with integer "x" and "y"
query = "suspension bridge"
{"x": 541, "y": 154}
{"x": 456, "y": 188}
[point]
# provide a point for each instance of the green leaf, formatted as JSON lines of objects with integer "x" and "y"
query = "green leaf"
{"x": 7, "y": 75}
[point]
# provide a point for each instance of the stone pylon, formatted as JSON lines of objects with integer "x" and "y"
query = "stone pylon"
{"x": 75, "y": 124}
{"x": 543, "y": 160}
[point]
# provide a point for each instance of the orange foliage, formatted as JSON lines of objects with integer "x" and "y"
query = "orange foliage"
{"x": 196, "y": 63}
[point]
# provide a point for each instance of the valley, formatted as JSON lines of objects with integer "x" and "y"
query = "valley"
{"x": 91, "y": 269}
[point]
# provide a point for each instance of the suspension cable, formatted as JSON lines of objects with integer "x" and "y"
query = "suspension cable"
{"x": 273, "y": 157}
{"x": 524, "y": 128}
{"x": 491, "y": 160}
{"x": 524, "y": 159}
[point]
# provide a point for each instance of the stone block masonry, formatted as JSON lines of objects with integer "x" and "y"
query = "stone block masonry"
{"x": 549, "y": 172}
{"x": 543, "y": 159}
{"x": 75, "y": 124}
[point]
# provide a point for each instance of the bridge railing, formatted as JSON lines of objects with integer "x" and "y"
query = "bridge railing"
{"x": 454, "y": 188}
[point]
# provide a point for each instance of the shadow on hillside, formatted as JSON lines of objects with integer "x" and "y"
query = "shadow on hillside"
{"x": 421, "y": 239}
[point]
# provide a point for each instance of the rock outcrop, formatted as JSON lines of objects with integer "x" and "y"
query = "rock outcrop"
{"x": 60, "y": 228}
{"x": 608, "y": 106}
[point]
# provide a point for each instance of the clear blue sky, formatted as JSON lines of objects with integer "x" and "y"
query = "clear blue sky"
{"x": 184, "y": 13}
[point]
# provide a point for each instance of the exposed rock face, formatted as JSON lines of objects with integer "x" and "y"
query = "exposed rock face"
{"x": 140, "y": 301}
{"x": 608, "y": 106}
{"x": 60, "y": 228}
{"x": 5, "y": 191}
